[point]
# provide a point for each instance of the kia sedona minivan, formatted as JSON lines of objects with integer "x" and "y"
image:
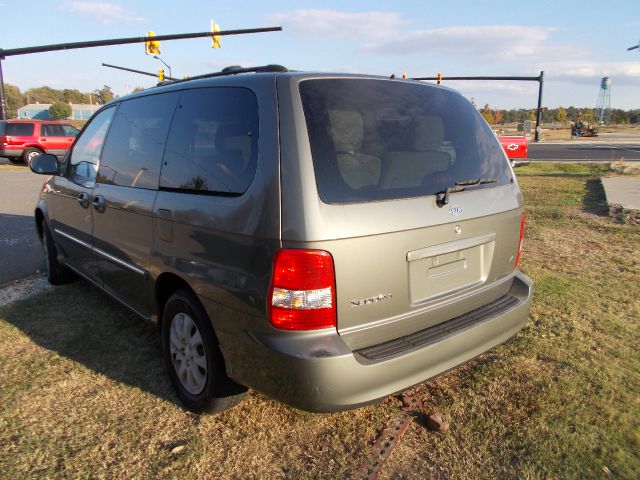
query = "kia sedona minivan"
{"x": 327, "y": 239}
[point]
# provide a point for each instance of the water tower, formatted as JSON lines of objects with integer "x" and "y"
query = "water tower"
{"x": 603, "y": 105}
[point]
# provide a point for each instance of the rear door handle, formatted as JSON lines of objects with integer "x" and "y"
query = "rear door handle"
{"x": 99, "y": 203}
{"x": 83, "y": 200}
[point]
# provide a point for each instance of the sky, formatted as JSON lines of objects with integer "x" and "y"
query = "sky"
{"x": 574, "y": 43}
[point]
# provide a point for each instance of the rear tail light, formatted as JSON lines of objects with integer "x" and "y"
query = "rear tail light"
{"x": 4, "y": 141}
{"x": 520, "y": 242}
{"x": 303, "y": 290}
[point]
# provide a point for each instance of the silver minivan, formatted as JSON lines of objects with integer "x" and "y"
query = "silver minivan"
{"x": 327, "y": 239}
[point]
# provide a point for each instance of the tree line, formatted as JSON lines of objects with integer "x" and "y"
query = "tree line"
{"x": 561, "y": 115}
{"x": 59, "y": 99}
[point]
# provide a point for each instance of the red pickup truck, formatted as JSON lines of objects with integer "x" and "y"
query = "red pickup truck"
{"x": 21, "y": 140}
{"x": 515, "y": 146}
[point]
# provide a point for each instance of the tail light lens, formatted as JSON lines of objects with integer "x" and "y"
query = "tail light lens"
{"x": 303, "y": 290}
{"x": 520, "y": 242}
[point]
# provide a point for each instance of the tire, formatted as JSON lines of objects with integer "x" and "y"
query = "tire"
{"x": 57, "y": 273}
{"x": 29, "y": 153}
{"x": 193, "y": 358}
{"x": 16, "y": 160}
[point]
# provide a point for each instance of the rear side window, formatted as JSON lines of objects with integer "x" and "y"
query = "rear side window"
{"x": 52, "y": 130}
{"x": 19, "y": 129}
{"x": 133, "y": 151}
{"x": 388, "y": 139}
{"x": 213, "y": 142}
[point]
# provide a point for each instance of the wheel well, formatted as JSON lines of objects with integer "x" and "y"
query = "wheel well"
{"x": 166, "y": 284}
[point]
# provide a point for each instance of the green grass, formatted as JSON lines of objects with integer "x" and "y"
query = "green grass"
{"x": 83, "y": 392}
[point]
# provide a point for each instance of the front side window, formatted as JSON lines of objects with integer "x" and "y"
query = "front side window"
{"x": 133, "y": 150}
{"x": 213, "y": 142}
{"x": 70, "y": 131}
{"x": 388, "y": 139}
{"x": 84, "y": 158}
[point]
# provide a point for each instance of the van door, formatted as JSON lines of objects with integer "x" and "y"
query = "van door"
{"x": 123, "y": 198}
{"x": 72, "y": 216}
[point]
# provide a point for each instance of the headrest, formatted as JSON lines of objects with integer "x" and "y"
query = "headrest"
{"x": 347, "y": 130}
{"x": 429, "y": 133}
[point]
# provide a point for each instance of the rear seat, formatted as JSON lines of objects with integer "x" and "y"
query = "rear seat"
{"x": 407, "y": 169}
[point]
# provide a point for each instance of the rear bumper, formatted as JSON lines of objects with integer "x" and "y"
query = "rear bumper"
{"x": 318, "y": 372}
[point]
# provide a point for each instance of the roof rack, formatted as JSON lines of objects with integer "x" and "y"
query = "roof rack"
{"x": 235, "y": 69}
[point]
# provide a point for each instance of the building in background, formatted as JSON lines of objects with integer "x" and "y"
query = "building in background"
{"x": 40, "y": 111}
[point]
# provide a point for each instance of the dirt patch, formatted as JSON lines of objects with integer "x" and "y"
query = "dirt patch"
{"x": 626, "y": 168}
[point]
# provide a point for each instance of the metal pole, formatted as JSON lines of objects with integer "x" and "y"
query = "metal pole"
{"x": 539, "y": 111}
{"x": 528, "y": 79}
{"x": 124, "y": 41}
{"x": 157, "y": 57}
{"x": 3, "y": 107}
{"x": 137, "y": 71}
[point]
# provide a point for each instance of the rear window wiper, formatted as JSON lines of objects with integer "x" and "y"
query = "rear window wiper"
{"x": 442, "y": 197}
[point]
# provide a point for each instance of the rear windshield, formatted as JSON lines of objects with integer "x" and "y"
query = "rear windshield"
{"x": 389, "y": 139}
{"x": 19, "y": 129}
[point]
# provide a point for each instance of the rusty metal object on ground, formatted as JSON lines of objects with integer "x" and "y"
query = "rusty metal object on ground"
{"x": 383, "y": 447}
{"x": 412, "y": 409}
{"x": 437, "y": 423}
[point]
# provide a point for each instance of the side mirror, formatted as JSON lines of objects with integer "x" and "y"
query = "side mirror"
{"x": 519, "y": 163}
{"x": 44, "y": 164}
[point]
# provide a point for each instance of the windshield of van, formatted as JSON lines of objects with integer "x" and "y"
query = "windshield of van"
{"x": 389, "y": 139}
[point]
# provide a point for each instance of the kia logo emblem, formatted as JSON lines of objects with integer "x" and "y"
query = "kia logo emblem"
{"x": 455, "y": 210}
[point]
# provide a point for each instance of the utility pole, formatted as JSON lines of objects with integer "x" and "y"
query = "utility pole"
{"x": 539, "y": 110}
{"x": 3, "y": 103}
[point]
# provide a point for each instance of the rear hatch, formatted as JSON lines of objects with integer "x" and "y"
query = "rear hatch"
{"x": 381, "y": 156}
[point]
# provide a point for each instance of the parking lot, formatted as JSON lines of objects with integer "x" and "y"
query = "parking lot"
{"x": 20, "y": 253}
